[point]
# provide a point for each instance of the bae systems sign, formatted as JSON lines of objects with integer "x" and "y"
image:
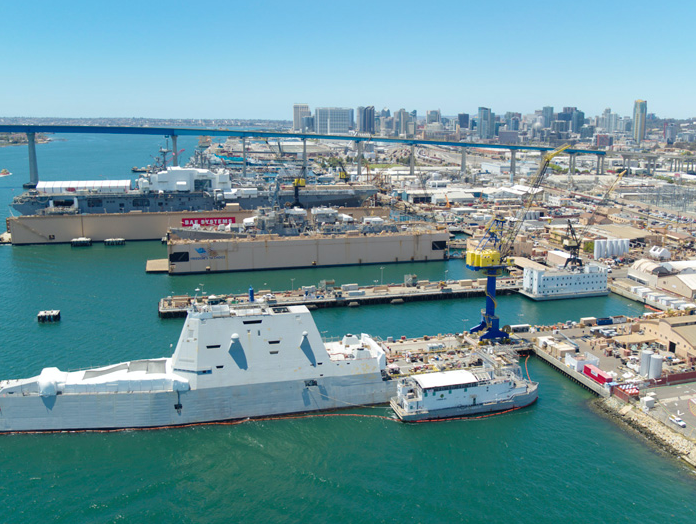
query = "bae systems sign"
{"x": 207, "y": 221}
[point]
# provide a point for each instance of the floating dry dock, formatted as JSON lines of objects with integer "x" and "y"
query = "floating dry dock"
{"x": 416, "y": 244}
{"x": 175, "y": 306}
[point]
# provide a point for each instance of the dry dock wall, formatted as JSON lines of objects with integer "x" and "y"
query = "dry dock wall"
{"x": 58, "y": 229}
{"x": 292, "y": 252}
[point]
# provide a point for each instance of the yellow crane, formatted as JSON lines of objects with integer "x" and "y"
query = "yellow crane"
{"x": 491, "y": 254}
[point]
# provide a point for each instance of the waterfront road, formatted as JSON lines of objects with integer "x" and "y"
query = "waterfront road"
{"x": 679, "y": 400}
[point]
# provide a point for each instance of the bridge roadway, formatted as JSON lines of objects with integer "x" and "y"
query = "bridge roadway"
{"x": 250, "y": 133}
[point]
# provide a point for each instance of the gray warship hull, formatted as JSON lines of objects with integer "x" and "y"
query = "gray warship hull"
{"x": 71, "y": 203}
{"x": 134, "y": 409}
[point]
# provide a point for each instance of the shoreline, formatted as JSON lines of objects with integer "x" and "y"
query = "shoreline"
{"x": 658, "y": 434}
{"x": 39, "y": 141}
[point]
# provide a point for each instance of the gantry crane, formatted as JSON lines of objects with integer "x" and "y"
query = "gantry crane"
{"x": 572, "y": 245}
{"x": 491, "y": 254}
{"x": 573, "y": 241}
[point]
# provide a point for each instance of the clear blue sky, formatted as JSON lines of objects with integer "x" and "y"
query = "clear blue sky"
{"x": 254, "y": 59}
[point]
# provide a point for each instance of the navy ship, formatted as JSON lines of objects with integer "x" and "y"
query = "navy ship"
{"x": 230, "y": 363}
{"x": 178, "y": 189}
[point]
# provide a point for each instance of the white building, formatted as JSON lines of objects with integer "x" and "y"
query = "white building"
{"x": 541, "y": 284}
{"x": 299, "y": 111}
{"x": 333, "y": 120}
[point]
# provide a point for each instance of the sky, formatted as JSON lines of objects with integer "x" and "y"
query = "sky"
{"x": 254, "y": 59}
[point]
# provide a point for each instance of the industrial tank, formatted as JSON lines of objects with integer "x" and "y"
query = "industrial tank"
{"x": 645, "y": 362}
{"x": 655, "y": 366}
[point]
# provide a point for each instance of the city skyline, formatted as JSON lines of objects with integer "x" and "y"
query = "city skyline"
{"x": 174, "y": 60}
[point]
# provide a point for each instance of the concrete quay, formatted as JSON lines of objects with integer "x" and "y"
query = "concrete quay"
{"x": 573, "y": 375}
{"x": 176, "y": 306}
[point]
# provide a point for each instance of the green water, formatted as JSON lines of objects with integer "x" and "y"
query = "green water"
{"x": 555, "y": 461}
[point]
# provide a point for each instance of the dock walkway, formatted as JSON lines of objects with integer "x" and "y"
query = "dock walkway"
{"x": 176, "y": 306}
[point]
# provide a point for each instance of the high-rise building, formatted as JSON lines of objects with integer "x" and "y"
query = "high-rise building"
{"x": 333, "y": 120}
{"x": 640, "y": 113}
{"x": 547, "y": 113}
{"x": 432, "y": 116}
{"x": 577, "y": 121}
{"x": 559, "y": 126}
{"x": 486, "y": 118}
{"x": 671, "y": 133}
{"x": 401, "y": 120}
{"x": 298, "y": 111}
{"x": 359, "y": 118}
{"x": 587, "y": 131}
{"x": 308, "y": 123}
{"x": 366, "y": 119}
{"x": 463, "y": 120}
{"x": 604, "y": 140}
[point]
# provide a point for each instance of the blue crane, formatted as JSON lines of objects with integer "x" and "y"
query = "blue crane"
{"x": 491, "y": 254}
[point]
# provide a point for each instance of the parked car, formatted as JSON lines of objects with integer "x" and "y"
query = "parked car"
{"x": 678, "y": 421}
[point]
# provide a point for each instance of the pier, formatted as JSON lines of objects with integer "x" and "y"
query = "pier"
{"x": 176, "y": 306}
{"x": 570, "y": 373}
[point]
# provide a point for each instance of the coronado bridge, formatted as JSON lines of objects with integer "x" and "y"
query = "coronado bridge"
{"x": 174, "y": 132}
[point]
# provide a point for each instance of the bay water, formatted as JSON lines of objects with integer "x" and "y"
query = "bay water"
{"x": 554, "y": 461}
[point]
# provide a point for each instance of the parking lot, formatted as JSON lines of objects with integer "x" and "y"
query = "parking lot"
{"x": 676, "y": 400}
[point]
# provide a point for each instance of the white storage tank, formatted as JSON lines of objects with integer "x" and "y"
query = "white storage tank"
{"x": 645, "y": 361}
{"x": 655, "y": 366}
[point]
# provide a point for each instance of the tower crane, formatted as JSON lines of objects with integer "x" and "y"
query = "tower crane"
{"x": 573, "y": 242}
{"x": 491, "y": 254}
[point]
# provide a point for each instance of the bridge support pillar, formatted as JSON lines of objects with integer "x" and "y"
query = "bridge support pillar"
{"x": 513, "y": 162}
{"x": 175, "y": 151}
{"x": 304, "y": 157}
{"x": 244, "y": 159}
{"x": 602, "y": 165}
{"x": 462, "y": 165}
{"x": 33, "y": 166}
{"x": 360, "y": 157}
{"x": 413, "y": 160}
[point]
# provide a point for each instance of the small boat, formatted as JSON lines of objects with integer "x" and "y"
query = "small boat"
{"x": 136, "y": 169}
{"x": 464, "y": 392}
{"x": 4, "y": 172}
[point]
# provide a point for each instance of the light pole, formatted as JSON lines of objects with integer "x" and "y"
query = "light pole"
{"x": 292, "y": 285}
{"x": 381, "y": 276}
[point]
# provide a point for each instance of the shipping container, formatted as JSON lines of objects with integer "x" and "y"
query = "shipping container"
{"x": 596, "y": 374}
{"x": 520, "y": 328}
{"x": 604, "y": 321}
